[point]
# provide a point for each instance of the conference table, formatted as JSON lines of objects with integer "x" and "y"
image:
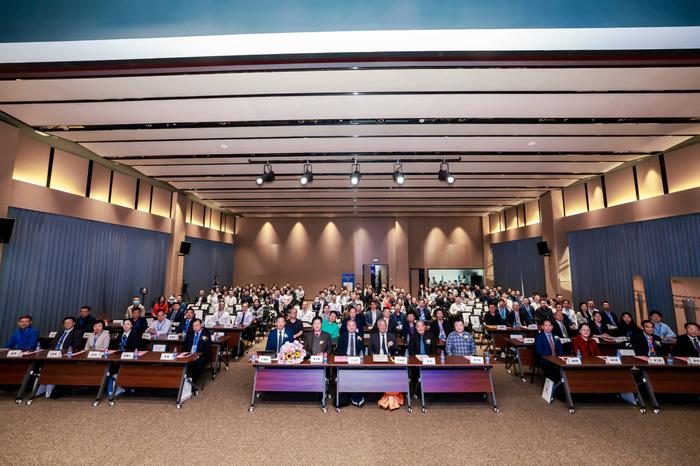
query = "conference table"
{"x": 16, "y": 371}
{"x": 301, "y": 378}
{"x": 500, "y": 334}
{"x": 456, "y": 375}
{"x": 677, "y": 378}
{"x": 218, "y": 354}
{"x": 520, "y": 353}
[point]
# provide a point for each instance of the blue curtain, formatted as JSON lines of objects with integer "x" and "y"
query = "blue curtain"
{"x": 55, "y": 264}
{"x": 518, "y": 265}
{"x": 604, "y": 260}
{"x": 206, "y": 260}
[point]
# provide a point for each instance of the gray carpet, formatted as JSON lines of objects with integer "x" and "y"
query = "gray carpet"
{"x": 216, "y": 428}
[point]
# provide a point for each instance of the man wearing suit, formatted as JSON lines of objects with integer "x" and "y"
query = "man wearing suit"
{"x": 85, "y": 320}
{"x": 439, "y": 327}
{"x": 609, "y": 316}
{"x": 561, "y": 325}
{"x": 140, "y": 323}
{"x": 71, "y": 337}
{"x": 409, "y": 329}
{"x": 372, "y": 315}
{"x": 350, "y": 343}
{"x": 381, "y": 341}
{"x": 547, "y": 345}
{"x": 646, "y": 343}
{"x": 689, "y": 344}
{"x": 186, "y": 324}
{"x": 128, "y": 340}
{"x": 175, "y": 314}
{"x": 354, "y": 316}
{"x": 529, "y": 309}
{"x": 544, "y": 313}
{"x": 422, "y": 342}
{"x": 502, "y": 310}
{"x": 279, "y": 336}
{"x": 517, "y": 317}
{"x": 423, "y": 311}
{"x": 492, "y": 317}
{"x": 397, "y": 321}
{"x": 198, "y": 341}
{"x": 317, "y": 341}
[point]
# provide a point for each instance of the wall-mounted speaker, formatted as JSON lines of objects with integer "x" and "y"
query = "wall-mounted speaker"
{"x": 6, "y": 226}
{"x": 185, "y": 248}
{"x": 543, "y": 248}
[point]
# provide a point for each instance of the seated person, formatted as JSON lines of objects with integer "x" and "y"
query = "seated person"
{"x": 492, "y": 317}
{"x": 140, "y": 323}
{"x": 351, "y": 343}
{"x": 660, "y": 328}
{"x": 98, "y": 340}
{"x": 626, "y": 326}
{"x": 135, "y": 304}
{"x": 305, "y": 314}
{"x": 689, "y": 344}
{"x": 459, "y": 342}
{"x": 547, "y": 345}
{"x": 598, "y": 326}
{"x": 317, "y": 341}
{"x": 70, "y": 338}
{"x": 357, "y": 318}
{"x": 372, "y": 315}
{"x": 128, "y": 340}
{"x": 584, "y": 316}
{"x": 382, "y": 341}
{"x": 440, "y": 327}
{"x": 398, "y": 321}
{"x": 85, "y": 319}
{"x": 198, "y": 341}
{"x": 186, "y": 324}
{"x": 422, "y": 342}
{"x": 517, "y": 317}
{"x": 561, "y": 325}
{"x": 221, "y": 316}
{"x": 423, "y": 311}
{"x": 544, "y": 313}
{"x": 24, "y": 337}
{"x": 647, "y": 343}
{"x": 502, "y": 309}
{"x": 294, "y": 325}
{"x": 159, "y": 327}
{"x": 331, "y": 326}
{"x": 584, "y": 343}
{"x": 279, "y": 336}
{"x": 409, "y": 330}
{"x": 176, "y": 314}
{"x": 245, "y": 317}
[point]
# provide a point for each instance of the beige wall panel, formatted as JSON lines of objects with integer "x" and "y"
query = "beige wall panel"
{"x": 69, "y": 173}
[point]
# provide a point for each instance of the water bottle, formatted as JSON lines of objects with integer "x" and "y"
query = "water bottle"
{"x": 578, "y": 354}
{"x": 325, "y": 358}
{"x": 105, "y": 353}
{"x": 38, "y": 346}
{"x": 136, "y": 353}
{"x": 406, "y": 353}
{"x": 669, "y": 360}
{"x": 442, "y": 357}
{"x": 174, "y": 352}
{"x": 70, "y": 352}
{"x": 618, "y": 354}
{"x": 487, "y": 358}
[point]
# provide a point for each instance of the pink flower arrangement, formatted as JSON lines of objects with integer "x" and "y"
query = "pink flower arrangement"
{"x": 291, "y": 353}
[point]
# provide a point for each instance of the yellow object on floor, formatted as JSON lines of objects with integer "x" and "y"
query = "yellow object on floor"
{"x": 391, "y": 401}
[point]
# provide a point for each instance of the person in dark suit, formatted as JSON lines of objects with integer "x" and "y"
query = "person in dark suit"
{"x": 561, "y": 327}
{"x": 397, "y": 321}
{"x": 544, "y": 313}
{"x": 71, "y": 336}
{"x": 186, "y": 323}
{"x": 626, "y": 326}
{"x": 423, "y": 311}
{"x": 140, "y": 324}
{"x": 517, "y": 317}
{"x": 128, "y": 340}
{"x": 350, "y": 343}
{"x": 175, "y": 314}
{"x": 440, "y": 327}
{"x": 646, "y": 343}
{"x": 598, "y": 326}
{"x": 279, "y": 336}
{"x": 382, "y": 341}
{"x": 689, "y": 344}
{"x": 198, "y": 341}
{"x": 356, "y": 317}
{"x": 492, "y": 317}
{"x": 609, "y": 316}
{"x": 409, "y": 330}
{"x": 85, "y": 320}
{"x": 547, "y": 345}
{"x": 529, "y": 309}
{"x": 372, "y": 315}
{"x": 317, "y": 341}
{"x": 422, "y": 342}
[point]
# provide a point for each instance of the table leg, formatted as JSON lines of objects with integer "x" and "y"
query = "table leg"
{"x": 565, "y": 383}
{"x": 650, "y": 390}
{"x": 422, "y": 393}
{"x": 25, "y": 382}
{"x": 103, "y": 383}
{"x": 408, "y": 388}
{"x": 493, "y": 391}
{"x": 238, "y": 348}
{"x": 323, "y": 398}
{"x": 178, "y": 402}
{"x": 520, "y": 364}
{"x": 252, "y": 398}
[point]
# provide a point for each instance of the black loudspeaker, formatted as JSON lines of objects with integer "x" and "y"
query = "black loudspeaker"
{"x": 185, "y": 248}
{"x": 542, "y": 248}
{"x": 6, "y": 225}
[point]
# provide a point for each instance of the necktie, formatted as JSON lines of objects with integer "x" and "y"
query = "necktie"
{"x": 696, "y": 344}
{"x": 422, "y": 346}
{"x": 196, "y": 340}
{"x": 122, "y": 344}
{"x": 650, "y": 342}
{"x": 442, "y": 330}
{"x": 517, "y": 319}
{"x": 383, "y": 346}
{"x": 503, "y": 314}
{"x": 352, "y": 344}
{"x": 59, "y": 345}
{"x": 279, "y": 340}
{"x": 551, "y": 344}
{"x": 563, "y": 329}
{"x": 187, "y": 324}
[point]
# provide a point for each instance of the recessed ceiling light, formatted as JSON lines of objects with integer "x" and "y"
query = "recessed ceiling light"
{"x": 224, "y": 146}
{"x": 531, "y": 143}
{"x": 41, "y": 133}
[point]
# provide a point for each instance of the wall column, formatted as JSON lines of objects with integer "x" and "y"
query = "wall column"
{"x": 9, "y": 136}
{"x": 176, "y": 263}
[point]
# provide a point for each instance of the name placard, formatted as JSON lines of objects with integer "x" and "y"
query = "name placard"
{"x": 573, "y": 361}
{"x": 127, "y": 355}
{"x": 613, "y": 360}
{"x": 532, "y": 327}
{"x": 228, "y": 325}
{"x": 15, "y": 353}
{"x": 656, "y": 360}
{"x": 429, "y": 361}
{"x": 501, "y": 327}
{"x": 54, "y": 354}
{"x": 159, "y": 348}
{"x": 354, "y": 359}
{"x": 167, "y": 357}
{"x": 94, "y": 355}
{"x": 265, "y": 359}
{"x": 476, "y": 359}
{"x": 172, "y": 337}
{"x": 86, "y": 335}
{"x": 693, "y": 361}
{"x": 316, "y": 359}
{"x": 528, "y": 340}
{"x": 400, "y": 360}
{"x": 146, "y": 336}
{"x": 565, "y": 340}
{"x": 380, "y": 358}
{"x": 517, "y": 336}
{"x": 52, "y": 334}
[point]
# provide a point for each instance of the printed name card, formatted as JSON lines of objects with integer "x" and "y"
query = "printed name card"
{"x": 94, "y": 355}
{"x": 501, "y": 327}
{"x": 429, "y": 361}
{"x": 613, "y": 360}
{"x": 656, "y": 360}
{"x": 517, "y": 336}
{"x": 573, "y": 361}
{"x": 354, "y": 359}
{"x": 159, "y": 348}
{"x": 127, "y": 355}
{"x": 15, "y": 353}
{"x": 52, "y": 334}
{"x": 626, "y": 352}
{"x": 316, "y": 359}
{"x": 265, "y": 359}
{"x": 400, "y": 360}
{"x": 54, "y": 354}
{"x": 86, "y": 335}
{"x": 380, "y": 358}
{"x": 167, "y": 357}
{"x": 528, "y": 340}
{"x": 228, "y": 325}
{"x": 173, "y": 337}
{"x": 565, "y": 340}
{"x": 693, "y": 361}
{"x": 146, "y": 336}
{"x": 476, "y": 359}
{"x": 532, "y": 327}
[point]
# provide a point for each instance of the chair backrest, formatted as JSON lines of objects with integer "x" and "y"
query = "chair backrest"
{"x": 475, "y": 321}
{"x": 199, "y": 314}
{"x": 209, "y": 321}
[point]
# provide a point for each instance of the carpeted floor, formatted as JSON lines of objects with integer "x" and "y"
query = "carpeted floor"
{"x": 216, "y": 428}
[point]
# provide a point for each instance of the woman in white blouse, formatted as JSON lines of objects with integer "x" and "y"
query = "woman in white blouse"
{"x": 98, "y": 340}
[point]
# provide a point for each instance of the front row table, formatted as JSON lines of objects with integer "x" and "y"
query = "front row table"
{"x": 457, "y": 375}
{"x": 16, "y": 371}
{"x": 372, "y": 377}
{"x": 680, "y": 377}
{"x": 303, "y": 378}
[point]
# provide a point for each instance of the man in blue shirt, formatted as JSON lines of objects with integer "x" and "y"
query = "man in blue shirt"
{"x": 24, "y": 337}
{"x": 661, "y": 329}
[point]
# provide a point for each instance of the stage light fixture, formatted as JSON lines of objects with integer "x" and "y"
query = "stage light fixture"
{"x": 444, "y": 173}
{"x": 355, "y": 175}
{"x": 398, "y": 176}
{"x": 308, "y": 175}
{"x": 267, "y": 176}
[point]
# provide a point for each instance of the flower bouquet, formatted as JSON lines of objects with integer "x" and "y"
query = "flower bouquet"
{"x": 291, "y": 353}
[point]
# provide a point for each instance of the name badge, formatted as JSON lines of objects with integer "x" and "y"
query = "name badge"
{"x": 167, "y": 357}
{"x": 429, "y": 361}
{"x": 476, "y": 359}
{"x": 613, "y": 360}
{"x": 532, "y": 327}
{"x": 573, "y": 361}
{"x": 15, "y": 353}
{"x": 94, "y": 355}
{"x": 228, "y": 325}
{"x": 265, "y": 359}
{"x": 501, "y": 327}
{"x": 528, "y": 340}
{"x": 316, "y": 359}
{"x": 127, "y": 355}
{"x": 52, "y": 334}
{"x": 565, "y": 340}
{"x": 172, "y": 337}
{"x": 146, "y": 336}
{"x": 54, "y": 354}
{"x": 656, "y": 360}
{"x": 400, "y": 360}
{"x": 517, "y": 336}
{"x": 354, "y": 359}
{"x": 693, "y": 361}
{"x": 86, "y": 335}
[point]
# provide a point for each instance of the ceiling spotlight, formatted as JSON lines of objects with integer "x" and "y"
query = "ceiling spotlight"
{"x": 355, "y": 175}
{"x": 444, "y": 173}
{"x": 267, "y": 176}
{"x": 308, "y": 175}
{"x": 399, "y": 177}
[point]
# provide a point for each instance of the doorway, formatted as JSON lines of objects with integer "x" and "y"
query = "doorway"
{"x": 375, "y": 275}
{"x": 416, "y": 278}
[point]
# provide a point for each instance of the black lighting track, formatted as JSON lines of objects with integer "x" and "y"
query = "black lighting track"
{"x": 369, "y": 121}
{"x": 269, "y": 188}
{"x": 380, "y": 174}
{"x": 359, "y": 198}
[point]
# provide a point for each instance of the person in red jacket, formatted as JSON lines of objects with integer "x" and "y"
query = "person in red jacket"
{"x": 584, "y": 343}
{"x": 161, "y": 305}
